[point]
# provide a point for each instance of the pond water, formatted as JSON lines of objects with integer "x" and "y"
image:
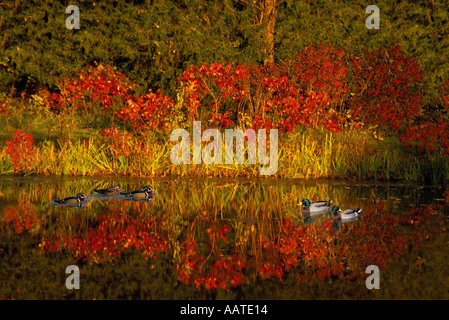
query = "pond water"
{"x": 197, "y": 238}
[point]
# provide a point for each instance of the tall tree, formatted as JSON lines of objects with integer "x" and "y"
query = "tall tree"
{"x": 269, "y": 10}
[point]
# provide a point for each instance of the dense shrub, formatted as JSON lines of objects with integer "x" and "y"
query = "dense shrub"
{"x": 387, "y": 88}
{"x": 150, "y": 111}
{"x": 99, "y": 86}
{"x": 21, "y": 151}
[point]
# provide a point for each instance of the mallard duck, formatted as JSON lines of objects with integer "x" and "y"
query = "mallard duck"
{"x": 110, "y": 191}
{"x": 145, "y": 193}
{"x": 80, "y": 197}
{"x": 319, "y": 206}
{"x": 345, "y": 214}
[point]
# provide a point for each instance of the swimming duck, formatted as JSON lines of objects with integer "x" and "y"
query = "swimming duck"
{"x": 345, "y": 214}
{"x": 318, "y": 206}
{"x": 110, "y": 191}
{"x": 144, "y": 193}
{"x": 80, "y": 197}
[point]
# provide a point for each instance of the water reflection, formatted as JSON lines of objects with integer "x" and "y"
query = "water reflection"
{"x": 219, "y": 233}
{"x": 224, "y": 197}
{"x": 99, "y": 198}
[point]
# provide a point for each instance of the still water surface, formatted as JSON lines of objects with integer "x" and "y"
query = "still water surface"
{"x": 223, "y": 217}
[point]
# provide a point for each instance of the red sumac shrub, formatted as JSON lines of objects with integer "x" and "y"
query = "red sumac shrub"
{"x": 118, "y": 141}
{"x": 386, "y": 88}
{"x": 152, "y": 110}
{"x": 3, "y": 107}
{"x": 271, "y": 96}
{"x": 428, "y": 137}
{"x": 101, "y": 85}
{"x": 322, "y": 69}
{"x": 21, "y": 150}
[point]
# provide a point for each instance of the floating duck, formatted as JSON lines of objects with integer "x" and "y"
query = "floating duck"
{"x": 345, "y": 214}
{"x": 319, "y": 206}
{"x": 145, "y": 193}
{"x": 315, "y": 217}
{"x": 80, "y": 197}
{"x": 115, "y": 190}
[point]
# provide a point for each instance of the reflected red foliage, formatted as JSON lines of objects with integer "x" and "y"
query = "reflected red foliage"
{"x": 23, "y": 217}
{"x": 211, "y": 269}
{"x": 206, "y": 257}
{"x": 114, "y": 232}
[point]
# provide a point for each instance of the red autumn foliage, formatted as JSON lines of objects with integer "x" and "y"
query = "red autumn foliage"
{"x": 101, "y": 84}
{"x": 113, "y": 234}
{"x": 226, "y": 271}
{"x": 23, "y": 217}
{"x": 206, "y": 257}
{"x": 258, "y": 96}
{"x": 311, "y": 91}
{"x": 21, "y": 151}
{"x": 3, "y": 107}
{"x": 118, "y": 141}
{"x": 429, "y": 136}
{"x": 151, "y": 111}
{"x": 322, "y": 69}
{"x": 386, "y": 86}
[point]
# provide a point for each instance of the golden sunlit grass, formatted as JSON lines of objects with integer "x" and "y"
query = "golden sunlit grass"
{"x": 64, "y": 146}
{"x": 309, "y": 154}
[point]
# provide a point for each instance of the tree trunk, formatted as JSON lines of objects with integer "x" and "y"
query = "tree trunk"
{"x": 269, "y": 13}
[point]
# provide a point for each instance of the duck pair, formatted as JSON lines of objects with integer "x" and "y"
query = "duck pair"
{"x": 146, "y": 193}
{"x": 324, "y": 206}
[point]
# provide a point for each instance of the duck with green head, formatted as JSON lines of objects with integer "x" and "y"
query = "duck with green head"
{"x": 144, "y": 193}
{"x": 80, "y": 197}
{"x": 345, "y": 214}
{"x": 312, "y": 207}
{"x": 115, "y": 190}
